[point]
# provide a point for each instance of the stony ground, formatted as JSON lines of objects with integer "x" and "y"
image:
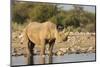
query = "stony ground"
{"x": 76, "y": 43}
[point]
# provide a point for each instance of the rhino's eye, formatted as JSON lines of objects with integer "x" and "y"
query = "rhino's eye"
{"x": 21, "y": 43}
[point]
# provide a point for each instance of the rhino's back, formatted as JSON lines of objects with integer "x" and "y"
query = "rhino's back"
{"x": 37, "y": 32}
{"x": 34, "y": 26}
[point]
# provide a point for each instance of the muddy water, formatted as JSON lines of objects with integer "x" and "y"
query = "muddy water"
{"x": 19, "y": 60}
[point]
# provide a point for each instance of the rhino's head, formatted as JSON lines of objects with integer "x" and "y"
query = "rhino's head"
{"x": 61, "y": 34}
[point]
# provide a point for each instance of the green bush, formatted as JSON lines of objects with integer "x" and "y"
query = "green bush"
{"x": 90, "y": 28}
{"x": 77, "y": 18}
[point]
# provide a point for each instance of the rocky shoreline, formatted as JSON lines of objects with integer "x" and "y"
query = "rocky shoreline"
{"x": 77, "y": 43}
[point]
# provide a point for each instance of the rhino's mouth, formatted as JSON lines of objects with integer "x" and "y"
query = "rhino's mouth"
{"x": 66, "y": 38}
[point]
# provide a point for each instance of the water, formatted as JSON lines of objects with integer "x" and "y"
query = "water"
{"x": 19, "y": 60}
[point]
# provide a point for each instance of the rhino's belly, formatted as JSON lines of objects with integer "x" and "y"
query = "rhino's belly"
{"x": 34, "y": 38}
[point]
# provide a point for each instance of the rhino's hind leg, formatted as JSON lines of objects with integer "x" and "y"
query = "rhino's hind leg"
{"x": 29, "y": 53}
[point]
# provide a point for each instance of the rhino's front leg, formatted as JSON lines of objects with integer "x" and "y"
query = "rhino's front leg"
{"x": 51, "y": 45}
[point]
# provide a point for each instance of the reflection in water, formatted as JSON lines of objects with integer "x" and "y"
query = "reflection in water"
{"x": 30, "y": 60}
{"x": 19, "y": 60}
{"x": 42, "y": 59}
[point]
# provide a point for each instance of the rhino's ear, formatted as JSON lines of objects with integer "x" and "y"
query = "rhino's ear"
{"x": 60, "y": 27}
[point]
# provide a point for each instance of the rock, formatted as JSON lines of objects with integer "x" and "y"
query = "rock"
{"x": 75, "y": 44}
{"x": 83, "y": 50}
{"x": 59, "y": 53}
{"x": 90, "y": 49}
{"x": 72, "y": 50}
{"x": 63, "y": 50}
